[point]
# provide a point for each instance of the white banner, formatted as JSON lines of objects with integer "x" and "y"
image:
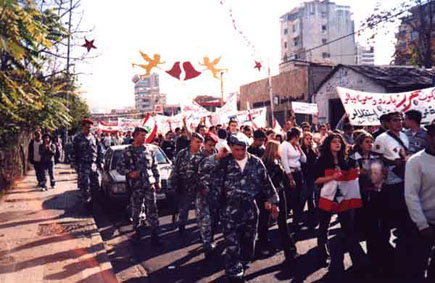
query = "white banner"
{"x": 230, "y": 107}
{"x": 304, "y": 108}
{"x": 365, "y": 108}
{"x": 254, "y": 117}
{"x": 128, "y": 124}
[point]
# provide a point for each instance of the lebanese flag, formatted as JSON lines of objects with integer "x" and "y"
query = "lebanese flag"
{"x": 276, "y": 127}
{"x": 254, "y": 126}
{"x": 150, "y": 124}
{"x": 107, "y": 127}
{"x": 341, "y": 195}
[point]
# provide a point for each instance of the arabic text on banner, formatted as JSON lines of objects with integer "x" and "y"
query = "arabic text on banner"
{"x": 304, "y": 108}
{"x": 365, "y": 108}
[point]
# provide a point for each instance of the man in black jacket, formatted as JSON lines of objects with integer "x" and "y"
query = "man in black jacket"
{"x": 35, "y": 158}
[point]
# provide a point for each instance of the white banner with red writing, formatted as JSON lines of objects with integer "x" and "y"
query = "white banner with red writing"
{"x": 365, "y": 108}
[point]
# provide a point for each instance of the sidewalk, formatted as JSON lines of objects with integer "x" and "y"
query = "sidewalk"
{"x": 48, "y": 237}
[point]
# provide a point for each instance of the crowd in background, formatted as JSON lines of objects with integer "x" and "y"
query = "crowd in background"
{"x": 311, "y": 167}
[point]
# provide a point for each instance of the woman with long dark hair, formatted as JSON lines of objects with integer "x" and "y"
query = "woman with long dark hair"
{"x": 272, "y": 161}
{"x": 339, "y": 193}
{"x": 308, "y": 170}
{"x": 372, "y": 175}
{"x": 292, "y": 157}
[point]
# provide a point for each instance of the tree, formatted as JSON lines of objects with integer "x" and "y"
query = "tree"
{"x": 415, "y": 19}
{"x": 33, "y": 90}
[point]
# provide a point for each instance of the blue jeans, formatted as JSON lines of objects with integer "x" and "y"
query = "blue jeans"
{"x": 39, "y": 172}
{"x": 48, "y": 166}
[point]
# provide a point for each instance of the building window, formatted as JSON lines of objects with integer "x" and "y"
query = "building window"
{"x": 326, "y": 55}
{"x": 285, "y": 44}
{"x": 324, "y": 40}
{"x": 296, "y": 41}
{"x": 323, "y": 14}
{"x": 285, "y": 31}
{"x": 294, "y": 28}
{"x": 323, "y": 28}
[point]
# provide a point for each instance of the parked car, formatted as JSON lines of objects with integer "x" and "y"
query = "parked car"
{"x": 113, "y": 184}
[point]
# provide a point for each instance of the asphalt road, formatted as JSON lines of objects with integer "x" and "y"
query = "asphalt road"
{"x": 181, "y": 259}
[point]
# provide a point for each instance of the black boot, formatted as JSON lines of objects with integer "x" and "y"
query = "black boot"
{"x": 155, "y": 239}
{"x": 181, "y": 230}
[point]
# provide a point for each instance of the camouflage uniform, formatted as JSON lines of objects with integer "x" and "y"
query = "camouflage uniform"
{"x": 210, "y": 179}
{"x": 87, "y": 158}
{"x": 185, "y": 178}
{"x": 240, "y": 189}
{"x": 142, "y": 190}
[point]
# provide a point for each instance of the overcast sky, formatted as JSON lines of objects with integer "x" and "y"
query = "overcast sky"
{"x": 187, "y": 30}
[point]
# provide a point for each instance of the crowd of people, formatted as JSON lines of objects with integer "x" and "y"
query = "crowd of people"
{"x": 379, "y": 181}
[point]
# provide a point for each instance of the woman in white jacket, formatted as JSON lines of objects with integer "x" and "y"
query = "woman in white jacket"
{"x": 292, "y": 156}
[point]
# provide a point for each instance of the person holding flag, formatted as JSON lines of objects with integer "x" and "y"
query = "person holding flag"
{"x": 340, "y": 194}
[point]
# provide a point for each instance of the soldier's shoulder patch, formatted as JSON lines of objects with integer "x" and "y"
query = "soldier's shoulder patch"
{"x": 395, "y": 149}
{"x": 378, "y": 146}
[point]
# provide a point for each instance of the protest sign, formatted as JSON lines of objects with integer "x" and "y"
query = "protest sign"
{"x": 304, "y": 108}
{"x": 365, "y": 108}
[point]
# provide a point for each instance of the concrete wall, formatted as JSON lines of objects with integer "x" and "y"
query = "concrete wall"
{"x": 347, "y": 78}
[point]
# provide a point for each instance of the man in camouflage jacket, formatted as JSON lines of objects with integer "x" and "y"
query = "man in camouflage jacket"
{"x": 244, "y": 179}
{"x": 87, "y": 158}
{"x": 139, "y": 164}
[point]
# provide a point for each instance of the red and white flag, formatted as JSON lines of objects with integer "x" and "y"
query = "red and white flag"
{"x": 277, "y": 127}
{"x": 150, "y": 124}
{"x": 107, "y": 127}
{"x": 341, "y": 195}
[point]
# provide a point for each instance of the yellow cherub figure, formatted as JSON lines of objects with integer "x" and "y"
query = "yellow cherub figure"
{"x": 152, "y": 63}
{"x": 211, "y": 66}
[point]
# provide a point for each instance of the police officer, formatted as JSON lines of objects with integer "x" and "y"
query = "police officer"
{"x": 87, "y": 158}
{"x": 184, "y": 177}
{"x": 244, "y": 179}
{"x": 206, "y": 196}
{"x": 139, "y": 164}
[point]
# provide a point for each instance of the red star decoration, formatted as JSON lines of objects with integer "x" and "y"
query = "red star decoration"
{"x": 258, "y": 65}
{"x": 89, "y": 44}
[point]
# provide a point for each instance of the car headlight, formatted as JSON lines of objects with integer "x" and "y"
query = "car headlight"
{"x": 119, "y": 188}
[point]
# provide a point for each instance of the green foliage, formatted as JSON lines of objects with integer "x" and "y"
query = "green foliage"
{"x": 28, "y": 98}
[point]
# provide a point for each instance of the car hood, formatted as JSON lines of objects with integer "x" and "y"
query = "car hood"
{"x": 165, "y": 172}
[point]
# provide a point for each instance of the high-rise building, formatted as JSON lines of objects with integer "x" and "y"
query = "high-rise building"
{"x": 147, "y": 92}
{"x": 416, "y": 36}
{"x": 318, "y": 31}
{"x": 365, "y": 55}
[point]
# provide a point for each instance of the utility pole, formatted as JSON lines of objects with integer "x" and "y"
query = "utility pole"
{"x": 272, "y": 118}
{"x": 68, "y": 59}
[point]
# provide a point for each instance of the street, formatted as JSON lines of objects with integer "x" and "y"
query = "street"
{"x": 182, "y": 259}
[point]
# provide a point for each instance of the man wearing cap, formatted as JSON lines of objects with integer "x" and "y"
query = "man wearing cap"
{"x": 184, "y": 177}
{"x": 139, "y": 164}
{"x": 244, "y": 179}
{"x": 420, "y": 200}
{"x": 87, "y": 158}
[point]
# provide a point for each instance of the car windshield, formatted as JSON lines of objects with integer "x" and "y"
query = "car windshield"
{"x": 161, "y": 158}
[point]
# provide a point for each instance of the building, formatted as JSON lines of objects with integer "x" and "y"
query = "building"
{"x": 365, "y": 55}
{"x": 313, "y": 24}
{"x": 147, "y": 93}
{"x": 415, "y": 32}
{"x": 297, "y": 81}
{"x": 378, "y": 79}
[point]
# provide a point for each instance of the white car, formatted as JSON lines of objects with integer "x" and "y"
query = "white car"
{"x": 113, "y": 184}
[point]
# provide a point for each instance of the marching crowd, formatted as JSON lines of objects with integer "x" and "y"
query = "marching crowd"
{"x": 379, "y": 181}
